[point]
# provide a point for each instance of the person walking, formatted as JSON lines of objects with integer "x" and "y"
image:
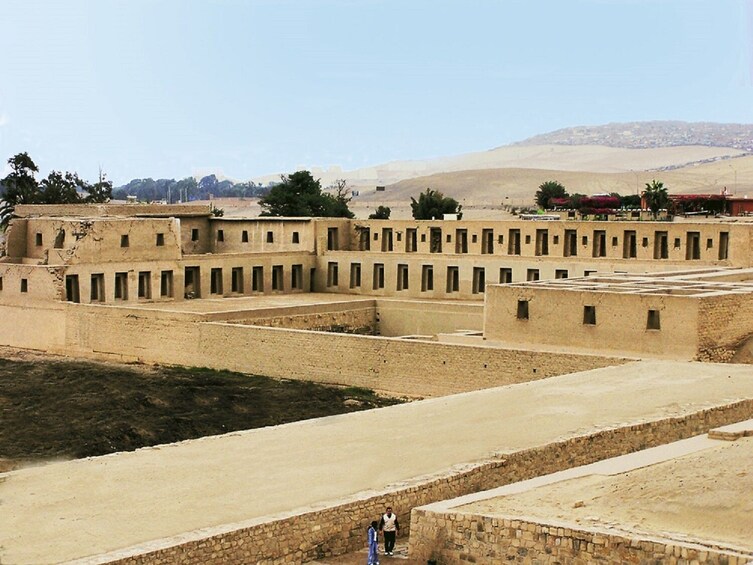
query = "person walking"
{"x": 372, "y": 538}
{"x": 390, "y": 528}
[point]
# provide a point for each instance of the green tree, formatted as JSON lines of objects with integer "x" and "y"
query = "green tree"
{"x": 656, "y": 196}
{"x": 300, "y": 194}
{"x": 19, "y": 186}
{"x": 547, "y": 190}
{"x": 60, "y": 188}
{"x": 381, "y": 213}
{"x": 432, "y": 204}
{"x": 100, "y": 191}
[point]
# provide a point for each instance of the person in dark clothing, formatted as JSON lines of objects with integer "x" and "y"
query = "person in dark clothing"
{"x": 390, "y": 528}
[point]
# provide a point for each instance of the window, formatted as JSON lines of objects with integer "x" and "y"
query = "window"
{"x": 532, "y": 275}
{"x": 723, "y": 245}
{"x": 589, "y": 315}
{"x": 97, "y": 293}
{"x": 571, "y": 243}
{"x": 513, "y": 242}
{"x": 522, "y": 310}
{"x": 215, "y": 281}
{"x": 629, "y": 250}
{"x": 487, "y": 241}
{"x": 399, "y": 235}
{"x": 270, "y": 237}
{"x": 615, "y": 241}
{"x": 501, "y": 239}
{"x": 453, "y": 279}
{"x": 332, "y": 274}
{"x": 653, "y": 321}
{"x": 528, "y": 239}
{"x": 560, "y": 274}
{"x": 296, "y": 237}
{"x": 39, "y": 239}
{"x": 387, "y": 239}
{"x": 364, "y": 239}
{"x": 449, "y": 238}
{"x": 71, "y": 288}
{"x": 145, "y": 285}
{"x": 461, "y": 241}
{"x": 1, "y": 283}
{"x": 589, "y": 273}
{"x": 505, "y": 275}
{"x": 411, "y": 240}
{"x": 645, "y": 242}
{"x": 257, "y": 279}
{"x": 600, "y": 243}
{"x": 555, "y": 240}
{"x": 378, "y": 276}
{"x": 25, "y": 284}
{"x": 59, "y": 239}
{"x": 709, "y": 243}
{"x": 693, "y": 248}
{"x": 124, "y": 240}
{"x": 121, "y": 286}
{"x": 236, "y": 280}
{"x": 355, "y": 275}
{"x": 333, "y": 243}
{"x": 277, "y": 281}
{"x": 220, "y": 235}
{"x": 166, "y": 284}
{"x": 584, "y": 240}
{"x": 244, "y": 236}
{"x": 296, "y": 277}
{"x": 661, "y": 245}
{"x": 402, "y": 277}
{"x": 160, "y": 239}
{"x": 195, "y": 234}
{"x": 479, "y": 280}
{"x": 677, "y": 243}
{"x": 435, "y": 240}
{"x": 423, "y": 238}
{"x": 427, "y": 278}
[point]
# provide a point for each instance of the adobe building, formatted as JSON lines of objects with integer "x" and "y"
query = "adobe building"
{"x": 544, "y": 329}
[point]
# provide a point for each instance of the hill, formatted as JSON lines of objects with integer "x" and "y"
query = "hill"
{"x": 636, "y": 135}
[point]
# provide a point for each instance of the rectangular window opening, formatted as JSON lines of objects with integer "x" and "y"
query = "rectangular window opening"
{"x": 589, "y": 315}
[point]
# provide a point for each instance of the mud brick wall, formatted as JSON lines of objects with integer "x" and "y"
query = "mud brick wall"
{"x": 482, "y": 539}
{"x": 403, "y": 367}
{"x": 340, "y": 527}
{"x": 723, "y": 323}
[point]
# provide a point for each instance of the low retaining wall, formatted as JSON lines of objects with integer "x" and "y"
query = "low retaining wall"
{"x": 474, "y": 538}
{"x": 340, "y": 527}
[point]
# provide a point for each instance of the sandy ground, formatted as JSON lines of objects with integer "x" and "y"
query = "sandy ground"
{"x": 87, "y": 507}
{"x": 703, "y": 496}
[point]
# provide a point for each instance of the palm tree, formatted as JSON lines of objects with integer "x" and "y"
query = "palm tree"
{"x": 655, "y": 196}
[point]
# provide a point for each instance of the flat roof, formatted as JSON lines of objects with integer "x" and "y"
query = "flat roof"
{"x": 75, "y": 509}
{"x": 696, "y": 490}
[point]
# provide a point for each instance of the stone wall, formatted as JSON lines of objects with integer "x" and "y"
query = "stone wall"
{"x": 464, "y": 538}
{"x": 340, "y": 527}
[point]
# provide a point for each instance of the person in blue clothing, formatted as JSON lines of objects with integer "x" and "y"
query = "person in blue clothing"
{"x": 372, "y": 537}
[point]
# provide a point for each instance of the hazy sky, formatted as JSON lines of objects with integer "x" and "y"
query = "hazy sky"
{"x": 176, "y": 87}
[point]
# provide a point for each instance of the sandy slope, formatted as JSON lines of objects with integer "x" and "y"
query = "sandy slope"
{"x": 592, "y": 158}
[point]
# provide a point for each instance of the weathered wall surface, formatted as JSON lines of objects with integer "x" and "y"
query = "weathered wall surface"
{"x": 556, "y": 318}
{"x": 33, "y": 326}
{"x": 340, "y": 528}
{"x": 402, "y": 317}
{"x": 408, "y": 367}
{"x": 463, "y": 538}
{"x": 724, "y": 323}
